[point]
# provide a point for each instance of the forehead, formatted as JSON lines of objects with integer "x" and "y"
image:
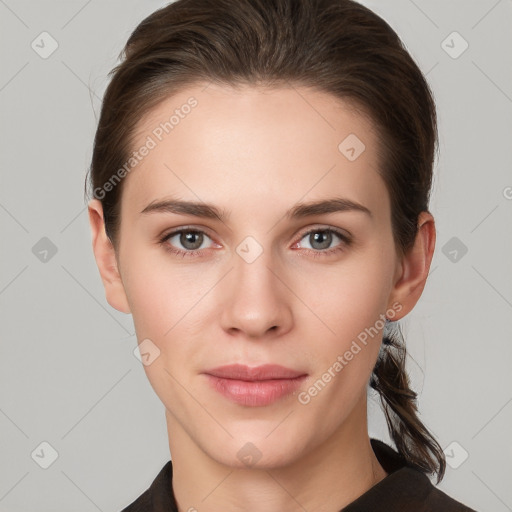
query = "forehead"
{"x": 255, "y": 145}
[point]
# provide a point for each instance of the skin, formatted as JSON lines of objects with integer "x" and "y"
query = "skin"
{"x": 256, "y": 153}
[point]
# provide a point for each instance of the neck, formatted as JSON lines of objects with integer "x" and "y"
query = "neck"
{"x": 326, "y": 479}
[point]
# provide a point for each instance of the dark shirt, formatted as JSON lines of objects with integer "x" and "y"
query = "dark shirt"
{"x": 405, "y": 488}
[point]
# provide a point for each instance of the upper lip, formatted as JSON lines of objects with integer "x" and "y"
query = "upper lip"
{"x": 257, "y": 373}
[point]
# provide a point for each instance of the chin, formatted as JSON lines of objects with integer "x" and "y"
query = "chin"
{"x": 257, "y": 452}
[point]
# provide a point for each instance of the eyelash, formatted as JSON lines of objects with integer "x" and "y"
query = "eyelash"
{"x": 346, "y": 241}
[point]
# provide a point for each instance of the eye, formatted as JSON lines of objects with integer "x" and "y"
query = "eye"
{"x": 186, "y": 242}
{"x": 320, "y": 240}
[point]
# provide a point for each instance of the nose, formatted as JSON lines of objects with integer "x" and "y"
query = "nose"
{"x": 257, "y": 300}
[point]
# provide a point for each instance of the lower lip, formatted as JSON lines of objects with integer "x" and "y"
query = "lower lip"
{"x": 255, "y": 393}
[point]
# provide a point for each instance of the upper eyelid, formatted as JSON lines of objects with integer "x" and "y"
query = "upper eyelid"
{"x": 319, "y": 227}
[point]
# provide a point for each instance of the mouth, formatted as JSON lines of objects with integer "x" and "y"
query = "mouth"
{"x": 254, "y": 387}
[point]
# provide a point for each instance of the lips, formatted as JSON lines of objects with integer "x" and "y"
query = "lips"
{"x": 258, "y": 373}
{"x": 254, "y": 387}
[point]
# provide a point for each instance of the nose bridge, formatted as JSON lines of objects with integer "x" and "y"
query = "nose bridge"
{"x": 258, "y": 299}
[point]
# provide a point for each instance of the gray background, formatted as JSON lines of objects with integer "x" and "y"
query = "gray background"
{"x": 68, "y": 376}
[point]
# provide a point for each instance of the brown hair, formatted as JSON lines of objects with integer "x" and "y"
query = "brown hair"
{"x": 336, "y": 46}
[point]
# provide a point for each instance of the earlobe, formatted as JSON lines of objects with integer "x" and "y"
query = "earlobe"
{"x": 105, "y": 256}
{"x": 415, "y": 266}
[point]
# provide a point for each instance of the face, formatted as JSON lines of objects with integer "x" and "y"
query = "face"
{"x": 250, "y": 275}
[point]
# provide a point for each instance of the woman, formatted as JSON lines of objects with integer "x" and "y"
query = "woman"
{"x": 261, "y": 177}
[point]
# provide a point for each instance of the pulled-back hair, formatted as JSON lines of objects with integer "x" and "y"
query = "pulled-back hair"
{"x": 335, "y": 46}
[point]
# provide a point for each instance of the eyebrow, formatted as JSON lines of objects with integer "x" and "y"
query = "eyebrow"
{"x": 301, "y": 210}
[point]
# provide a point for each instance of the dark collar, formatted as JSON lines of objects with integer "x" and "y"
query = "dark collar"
{"x": 405, "y": 488}
{"x": 404, "y": 485}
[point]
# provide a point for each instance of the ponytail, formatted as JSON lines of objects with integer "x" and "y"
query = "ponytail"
{"x": 412, "y": 439}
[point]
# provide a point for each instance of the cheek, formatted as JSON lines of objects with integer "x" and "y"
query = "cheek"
{"x": 164, "y": 303}
{"x": 161, "y": 295}
{"x": 351, "y": 303}
{"x": 150, "y": 304}
{"x": 344, "y": 356}
{"x": 351, "y": 296}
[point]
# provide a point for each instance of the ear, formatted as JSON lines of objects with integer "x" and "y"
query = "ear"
{"x": 412, "y": 271}
{"x": 106, "y": 259}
